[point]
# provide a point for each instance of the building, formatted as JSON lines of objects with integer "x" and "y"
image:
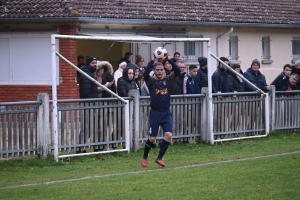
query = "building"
{"x": 240, "y": 30}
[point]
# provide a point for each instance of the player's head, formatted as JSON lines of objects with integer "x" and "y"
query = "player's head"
{"x": 193, "y": 71}
{"x": 158, "y": 69}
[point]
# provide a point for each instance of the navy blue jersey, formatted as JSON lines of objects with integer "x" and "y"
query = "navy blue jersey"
{"x": 160, "y": 89}
{"x": 159, "y": 93}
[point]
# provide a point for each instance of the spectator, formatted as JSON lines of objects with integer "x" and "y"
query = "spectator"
{"x": 188, "y": 81}
{"x": 80, "y": 63}
{"x": 235, "y": 83}
{"x": 296, "y": 70}
{"x": 167, "y": 66}
{"x": 291, "y": 84}
{"x": 136, "y": 78}
{"x": 201, "y": 78}
{"x": 119, "y": 72}
{"x": 283, "y": 78}
{"x": 177, "y": 85}
{"x": 128, "y": 57}
{"x": 219, "y": 77}
{"x": 139, "y": 61}
{"x": 176, "y": 57}
{"x": 126, "y": 82}
{"x": 88, "y": 89}
{"x": 104, "y": 75}
{"x": 254, "y": 76}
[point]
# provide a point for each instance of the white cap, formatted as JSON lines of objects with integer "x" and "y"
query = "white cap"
{"x": 122, "y": 63}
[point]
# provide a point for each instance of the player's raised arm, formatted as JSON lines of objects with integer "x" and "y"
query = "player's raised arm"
{"x": 149, "y": 67}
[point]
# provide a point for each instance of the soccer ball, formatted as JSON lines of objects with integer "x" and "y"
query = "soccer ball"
{"x": 160, "y": 52}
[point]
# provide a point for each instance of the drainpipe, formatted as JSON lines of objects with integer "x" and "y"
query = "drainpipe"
{"x": 218, "y": 41}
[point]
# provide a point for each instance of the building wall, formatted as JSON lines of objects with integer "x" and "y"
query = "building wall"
{"x": 66, "y": 89}
{"x": 250, "y": 47}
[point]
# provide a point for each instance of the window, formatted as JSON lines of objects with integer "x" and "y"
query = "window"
{"x": 233, "y": 48}
{"x": 26, "y": 59}
{"x": 266, "y": 43}
{"x": 192, "y": 50}
{"x": 296, "y": 48}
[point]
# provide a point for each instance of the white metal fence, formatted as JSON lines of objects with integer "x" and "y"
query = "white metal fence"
{"x": 236, "y": 116}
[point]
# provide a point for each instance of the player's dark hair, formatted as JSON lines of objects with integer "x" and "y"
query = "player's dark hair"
{"x": 157, "y": 64}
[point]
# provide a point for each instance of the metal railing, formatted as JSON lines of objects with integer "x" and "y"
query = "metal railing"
{"x": 18, "y": 128}
{"x": 98, "y": 124}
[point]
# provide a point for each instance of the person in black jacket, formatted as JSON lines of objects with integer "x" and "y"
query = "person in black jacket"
{"x": 126, "y": 82}
{"x": 177, "y": 85}
{"x": 283, "y": 78}
{"x": 235, "y": 83}
{"x": 88, "y": 89}
{"x": 80, "y": 63}
{"x": 291, "y": 84}
{"x": 219, "y": 77}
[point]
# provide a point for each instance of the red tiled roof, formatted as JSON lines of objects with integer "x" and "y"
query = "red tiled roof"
{"x": 232, "y": 11}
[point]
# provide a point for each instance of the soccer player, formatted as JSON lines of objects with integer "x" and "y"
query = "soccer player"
{"x": 160, "y": 114}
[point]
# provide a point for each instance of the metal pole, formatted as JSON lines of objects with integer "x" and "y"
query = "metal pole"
{"x": 131, "y": 39}
{"x": 90, "y": 78}
{"x": 54, "y": 100}
{"x": 242, "y": 77}
{"x": 210, "y": 103}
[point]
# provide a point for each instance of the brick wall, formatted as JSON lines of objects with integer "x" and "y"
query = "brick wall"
{"x": 67, "y": 89}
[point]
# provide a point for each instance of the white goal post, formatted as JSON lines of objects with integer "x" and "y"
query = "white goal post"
{"x": 129, "y": 40}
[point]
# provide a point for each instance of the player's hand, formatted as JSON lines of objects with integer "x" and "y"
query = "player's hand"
{"x": 153, "y": 56}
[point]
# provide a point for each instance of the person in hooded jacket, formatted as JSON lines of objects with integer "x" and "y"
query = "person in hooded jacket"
{"x": 254, "y": 76}
{"x": 104, "y": 75}
{"x": 136, "y": 78}
{"x": 235, "y": 83}
{"x": 126, "y": 82}
{"x": 88, "y": 89}
{"x": 296, "y": 70}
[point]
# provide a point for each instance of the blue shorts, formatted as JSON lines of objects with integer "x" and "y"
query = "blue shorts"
{"x": 162, "y": 118}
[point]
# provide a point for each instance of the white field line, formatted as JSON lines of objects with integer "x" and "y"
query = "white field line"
{"x": 143, "y": 171}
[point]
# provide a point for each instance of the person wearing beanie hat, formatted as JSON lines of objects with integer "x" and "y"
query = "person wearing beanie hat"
{"x": 256, "y": 77}
{"x": 201, "y": 80}
{"x": 202, "y": 61}
{"x": 88, "y": 89}
{"x": 255, "y": 62}
{"x": 119, "y": 72}
{"x": 89, "y": 59}
{"x": 219, "y": 77}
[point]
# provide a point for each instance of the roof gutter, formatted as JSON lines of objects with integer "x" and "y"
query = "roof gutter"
{"x": 144, "y": 21}
{"x": 218, "y": 40}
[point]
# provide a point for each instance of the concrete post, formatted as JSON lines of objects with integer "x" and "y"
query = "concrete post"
{"x": 272, "y": 107}
{"x": 43, "y": 126}
{"x": 204, "y": 119}
{"x": 135, "y": 119}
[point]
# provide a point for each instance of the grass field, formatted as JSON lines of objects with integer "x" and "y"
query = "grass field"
{"x": 266, "y": 168}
